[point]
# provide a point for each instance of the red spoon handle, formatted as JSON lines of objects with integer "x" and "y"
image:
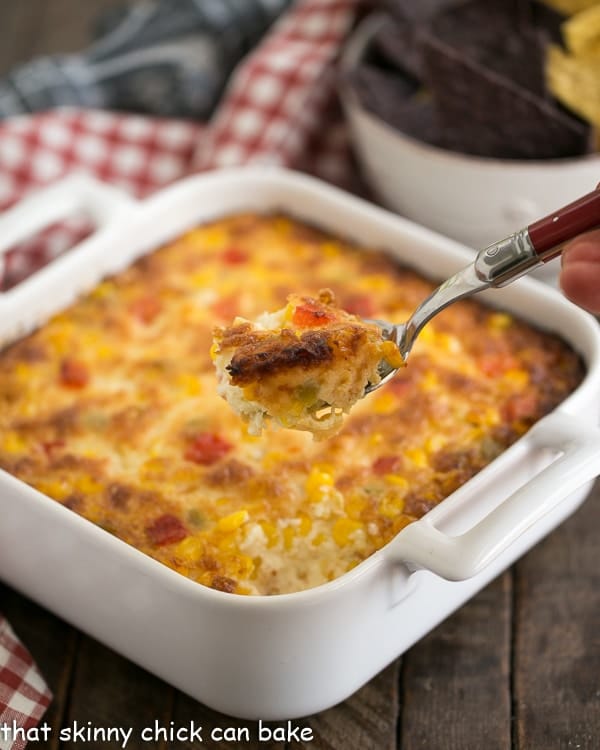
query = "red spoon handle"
{"x": 547, "y": 235}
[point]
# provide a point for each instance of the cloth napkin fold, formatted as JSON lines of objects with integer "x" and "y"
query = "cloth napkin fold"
{"x": 279, "y": 107}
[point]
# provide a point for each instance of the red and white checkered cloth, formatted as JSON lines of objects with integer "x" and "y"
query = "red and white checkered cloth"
{"x": 279, "y": 108}
{"x": 24, "y": 695}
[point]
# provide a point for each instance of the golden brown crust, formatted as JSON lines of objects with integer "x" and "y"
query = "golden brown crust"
{"x": 266, "y": 355}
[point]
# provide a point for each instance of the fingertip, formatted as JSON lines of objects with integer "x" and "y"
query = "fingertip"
{"x": 580, "y": 282}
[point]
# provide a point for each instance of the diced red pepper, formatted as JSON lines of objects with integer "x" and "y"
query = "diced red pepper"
{"x": 166, "y": 529}
{"x": 207, "y": 448}
{"x": 52, "y": 446}
{"x": 399, "y": 385}
{"x": 74, "y": 374}
{"x": 233, "y": 256}
{"x": 520, "y": 407}
{"x": 360, "y": 304}
{"x": 226, "y": 308}
{"x": 387, "y": 465}
{"x": 145, "y": 309}
{"x": 494, "y": 365}
{"x": 308, "y": 315}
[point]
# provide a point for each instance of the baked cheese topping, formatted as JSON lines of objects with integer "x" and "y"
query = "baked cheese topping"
{"x": 303, "y": 366}
{"x": 111, "y": 409}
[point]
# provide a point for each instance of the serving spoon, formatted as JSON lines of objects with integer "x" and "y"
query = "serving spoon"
{"x": 495, "y": 266}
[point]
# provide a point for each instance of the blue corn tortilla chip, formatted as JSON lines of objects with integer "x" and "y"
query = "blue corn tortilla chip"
{"x": 416, "y": 11}
{"x": 497, "y": 34}
{"x": 397, "y": 44}
{"x": 496, "y": 116}
{"x": 395, "y": 101}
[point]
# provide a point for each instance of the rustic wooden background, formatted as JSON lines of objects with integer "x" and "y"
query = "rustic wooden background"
{"x": 518, "y": 667}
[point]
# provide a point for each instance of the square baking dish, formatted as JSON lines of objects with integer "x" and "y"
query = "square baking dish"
{"x": 289, "y": 655}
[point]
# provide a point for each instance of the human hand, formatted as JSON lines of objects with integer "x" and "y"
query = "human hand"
{"x": 580, "y": 272}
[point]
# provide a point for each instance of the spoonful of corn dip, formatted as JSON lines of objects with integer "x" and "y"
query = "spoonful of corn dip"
{"x": 306, "y": 365}
{"x": 303, "y": 366}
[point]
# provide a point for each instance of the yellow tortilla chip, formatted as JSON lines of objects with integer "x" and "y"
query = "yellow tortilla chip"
{"x": 569, "y": 7}
{"x": 581, "y": 32}
{"x": 575, "y": 82}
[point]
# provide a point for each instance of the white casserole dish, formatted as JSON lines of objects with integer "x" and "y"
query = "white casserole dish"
{"x": 285, "y": 656}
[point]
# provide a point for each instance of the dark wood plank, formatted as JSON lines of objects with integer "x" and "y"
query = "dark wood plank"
{"x": 20, "y": 23}
{"x": 110, "y": 691}
{"x": 219, "y": 731}
{"x": 31, "y": 28}
{"x": 366, "y": 721}
{"x": 68, "y": 24}
{"x": 456, "y": 682}
{"x": 53, "y": 645}
{"x": 557, "y": 637}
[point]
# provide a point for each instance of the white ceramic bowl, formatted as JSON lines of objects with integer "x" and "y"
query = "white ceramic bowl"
{"x": 474, "y": 200}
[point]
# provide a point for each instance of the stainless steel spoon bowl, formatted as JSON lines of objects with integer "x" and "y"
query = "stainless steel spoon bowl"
{"x": 495, "y": 266}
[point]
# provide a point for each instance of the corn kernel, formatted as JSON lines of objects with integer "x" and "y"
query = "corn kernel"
{"x": 518, "y": 378}
{"x": 448, "y": 343}
{"x": 22, "y": 370}
{"x": 88, "y": 485}
{"x": 184, "y": 475}
{"x": 435, "y": 443}
{"x": 318, "y": 484}
{"x": 399, "y": 482}
{"x": 499, "y": 321}
{"x": 202, "y": 278}
{"x": 244, "y": 566}
{"x": 354, "y": 506}
{"x": 189, "y": 384}
{"x": 288, "y": 536}
{"x": 272, "y": 459}
{"x": 384, "y": 403}
{"x": 343, "y": 529}
{"x": 417, "y": 456}
{"x": 271, "y": 532}
{"x": 429, "y": 381}
{"x": 228, "y": 543}
{"x": 233, "y": 521}
{"x": 13, "y": 443}
{"x": 318, "y": 540}
{"x": 305, "y": 526}
{"x": 391, "y": 506}
{"x": 52, "y": 488}
{"x": 211, "y": 237}
{"x": 249, "y": 392}
{"x": 102, "y": 291}
{"x": 375, "y": 282}
{"x": 190, "y": 549}
{"x": 104, "y": 350}
{"x": 59, "y": 337}
{"x": 427, "y": 334}
{"x": 391, "y": 354}
{"x": 330, "y": 249}
{"x": 155, "y": 466}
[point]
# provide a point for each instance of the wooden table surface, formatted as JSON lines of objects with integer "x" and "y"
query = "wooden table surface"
{"x": 517, "y": 667}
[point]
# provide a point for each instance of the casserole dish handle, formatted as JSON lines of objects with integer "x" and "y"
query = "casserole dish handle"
{"x": 422, "y": 546}
{"x": 77, "y": 192}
